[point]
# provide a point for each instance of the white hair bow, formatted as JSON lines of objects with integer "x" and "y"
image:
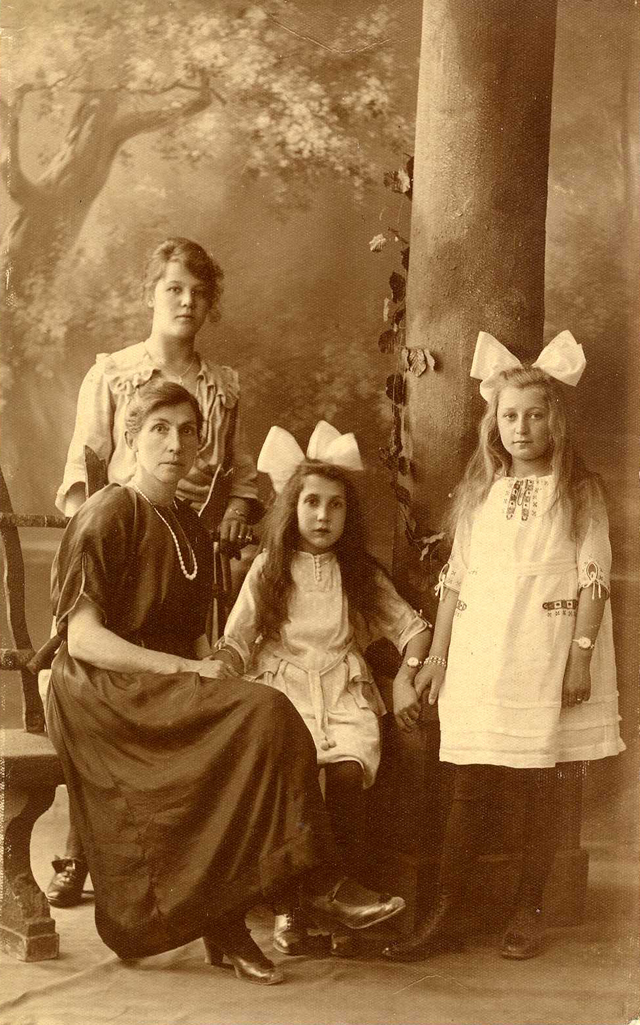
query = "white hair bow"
{"x": 562, "y": 358}
{"x": 281, "y": 455}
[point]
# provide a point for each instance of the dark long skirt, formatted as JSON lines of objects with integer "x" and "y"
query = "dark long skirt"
{"x": 193, "y": 797}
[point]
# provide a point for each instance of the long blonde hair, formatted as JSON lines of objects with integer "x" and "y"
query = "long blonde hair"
{"x": 576, "y": 488}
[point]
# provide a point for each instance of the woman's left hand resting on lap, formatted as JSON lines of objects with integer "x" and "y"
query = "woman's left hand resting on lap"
{"x": 88, "y": 639}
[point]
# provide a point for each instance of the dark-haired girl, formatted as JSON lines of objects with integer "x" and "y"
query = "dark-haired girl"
{"x": 311, "y": 603}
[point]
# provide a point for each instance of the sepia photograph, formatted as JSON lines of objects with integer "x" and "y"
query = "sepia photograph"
{"x": 320, "y": 512}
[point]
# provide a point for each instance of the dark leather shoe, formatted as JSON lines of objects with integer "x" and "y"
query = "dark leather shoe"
{"x": 65, "y": 888}
{"x": 352, "y": 906}
{"x": 523, "y": 936}
{"x": 289, "y": 933}
{"x": 243, "y": 955}
{"x": 436, "y": 934}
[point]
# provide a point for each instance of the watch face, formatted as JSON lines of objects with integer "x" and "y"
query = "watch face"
{"x": 414, "y": 662}
{"x": 583, "y": 642}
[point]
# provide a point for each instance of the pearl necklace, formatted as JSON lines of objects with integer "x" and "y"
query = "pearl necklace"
{"x": 194, "y": 572}
{"x": 163, "y": 364}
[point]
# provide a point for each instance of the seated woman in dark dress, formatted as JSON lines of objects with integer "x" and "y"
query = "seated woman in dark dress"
{"x": 195, "y": 791}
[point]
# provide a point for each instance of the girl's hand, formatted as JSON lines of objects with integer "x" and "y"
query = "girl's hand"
{"x": 430, "y": 678}
{"x": 406, "y": 706}
{"x": 576, "y": 685}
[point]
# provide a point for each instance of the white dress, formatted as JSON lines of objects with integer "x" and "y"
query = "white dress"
{"x": 317, "y": 659}
{"x": 518, "y": 573}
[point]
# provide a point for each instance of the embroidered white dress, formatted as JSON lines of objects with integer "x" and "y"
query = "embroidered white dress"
{"x": 518, "y": 573}
{"x": 317, "y": 659}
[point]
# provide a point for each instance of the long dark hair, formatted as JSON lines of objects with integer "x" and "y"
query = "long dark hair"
{"x": 576, "y": 488}
{"x": 281, "y": 540}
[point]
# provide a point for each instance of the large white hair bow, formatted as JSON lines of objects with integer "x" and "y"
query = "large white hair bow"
{"x": 281, "y": 455}
{"x": 562, "y": 358}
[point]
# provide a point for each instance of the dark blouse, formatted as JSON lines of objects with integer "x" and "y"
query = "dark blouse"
{"x": 117, "y": 552}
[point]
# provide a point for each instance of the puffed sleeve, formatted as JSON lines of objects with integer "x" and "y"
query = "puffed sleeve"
{"x": 94, "y": 554}
{"x": 93, "y": 427}
{"x": 393, "y": 618}
{"x": 241, "y": 630}
{"x": 453, "y": 572}
{"x": 594, "y": 548}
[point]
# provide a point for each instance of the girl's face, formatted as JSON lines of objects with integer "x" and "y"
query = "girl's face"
{"x": 180, "y": 302}
{"x": 523, "y": 423}
{"x": 165, "y": 449}
{"x": 322, "y": 511}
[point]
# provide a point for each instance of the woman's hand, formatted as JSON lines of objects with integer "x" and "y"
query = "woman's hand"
{"x": 406, "y": 706}
{"x": 576, "y": 685}
{"x": 213, "y": 668}
{"x": 430, "y": 678}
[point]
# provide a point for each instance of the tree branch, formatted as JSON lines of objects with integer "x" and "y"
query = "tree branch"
{"x": 131, "y": 91}
{"x": 129, "y": 125}
{"x": 325, "y": 46}
{"x": 15, "y": 180}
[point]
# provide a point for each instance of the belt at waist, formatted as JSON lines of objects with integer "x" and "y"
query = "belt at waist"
{"x": 314, "y": 677}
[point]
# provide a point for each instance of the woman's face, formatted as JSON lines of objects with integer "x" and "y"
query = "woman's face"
{"x": 322, "y": 511}
{"x": 180, "y": 302}
{"x": 523, "y": 423}
{"x": 165, "y": 447}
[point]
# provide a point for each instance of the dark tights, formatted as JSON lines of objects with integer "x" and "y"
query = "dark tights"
{"x": 476, "y": 788}
{"x": 344, "y": 801}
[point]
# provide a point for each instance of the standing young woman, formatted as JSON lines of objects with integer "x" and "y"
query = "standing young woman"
{"x": 182, "y": 287}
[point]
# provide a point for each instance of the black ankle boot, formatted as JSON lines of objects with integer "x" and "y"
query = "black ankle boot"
{"x": 232, "y": 940}
{"x": 65, "y": 888}
{"x": 524, "y": 935}
{"x": 437, "y": 933}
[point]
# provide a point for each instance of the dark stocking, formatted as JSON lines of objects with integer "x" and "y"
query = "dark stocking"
{"x": 541, "y": 837}
{"x": 344, "y": 800}
{"x": 465, "y": 828}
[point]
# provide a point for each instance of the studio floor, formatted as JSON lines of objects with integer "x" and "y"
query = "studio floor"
{"x": 587, "y": 975}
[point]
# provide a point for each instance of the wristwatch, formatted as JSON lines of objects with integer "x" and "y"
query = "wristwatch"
{"x": 585, "y": 643}
{"x": 414, "y": 663}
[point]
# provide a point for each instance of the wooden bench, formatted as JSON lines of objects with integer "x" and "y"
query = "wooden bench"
{"x": 29, "y": 767}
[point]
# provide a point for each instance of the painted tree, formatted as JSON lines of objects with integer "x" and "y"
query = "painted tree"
{"x": 297, "y": 93}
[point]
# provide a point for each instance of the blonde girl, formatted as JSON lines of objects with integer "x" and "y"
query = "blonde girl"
{"x": 522, "y": 662}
